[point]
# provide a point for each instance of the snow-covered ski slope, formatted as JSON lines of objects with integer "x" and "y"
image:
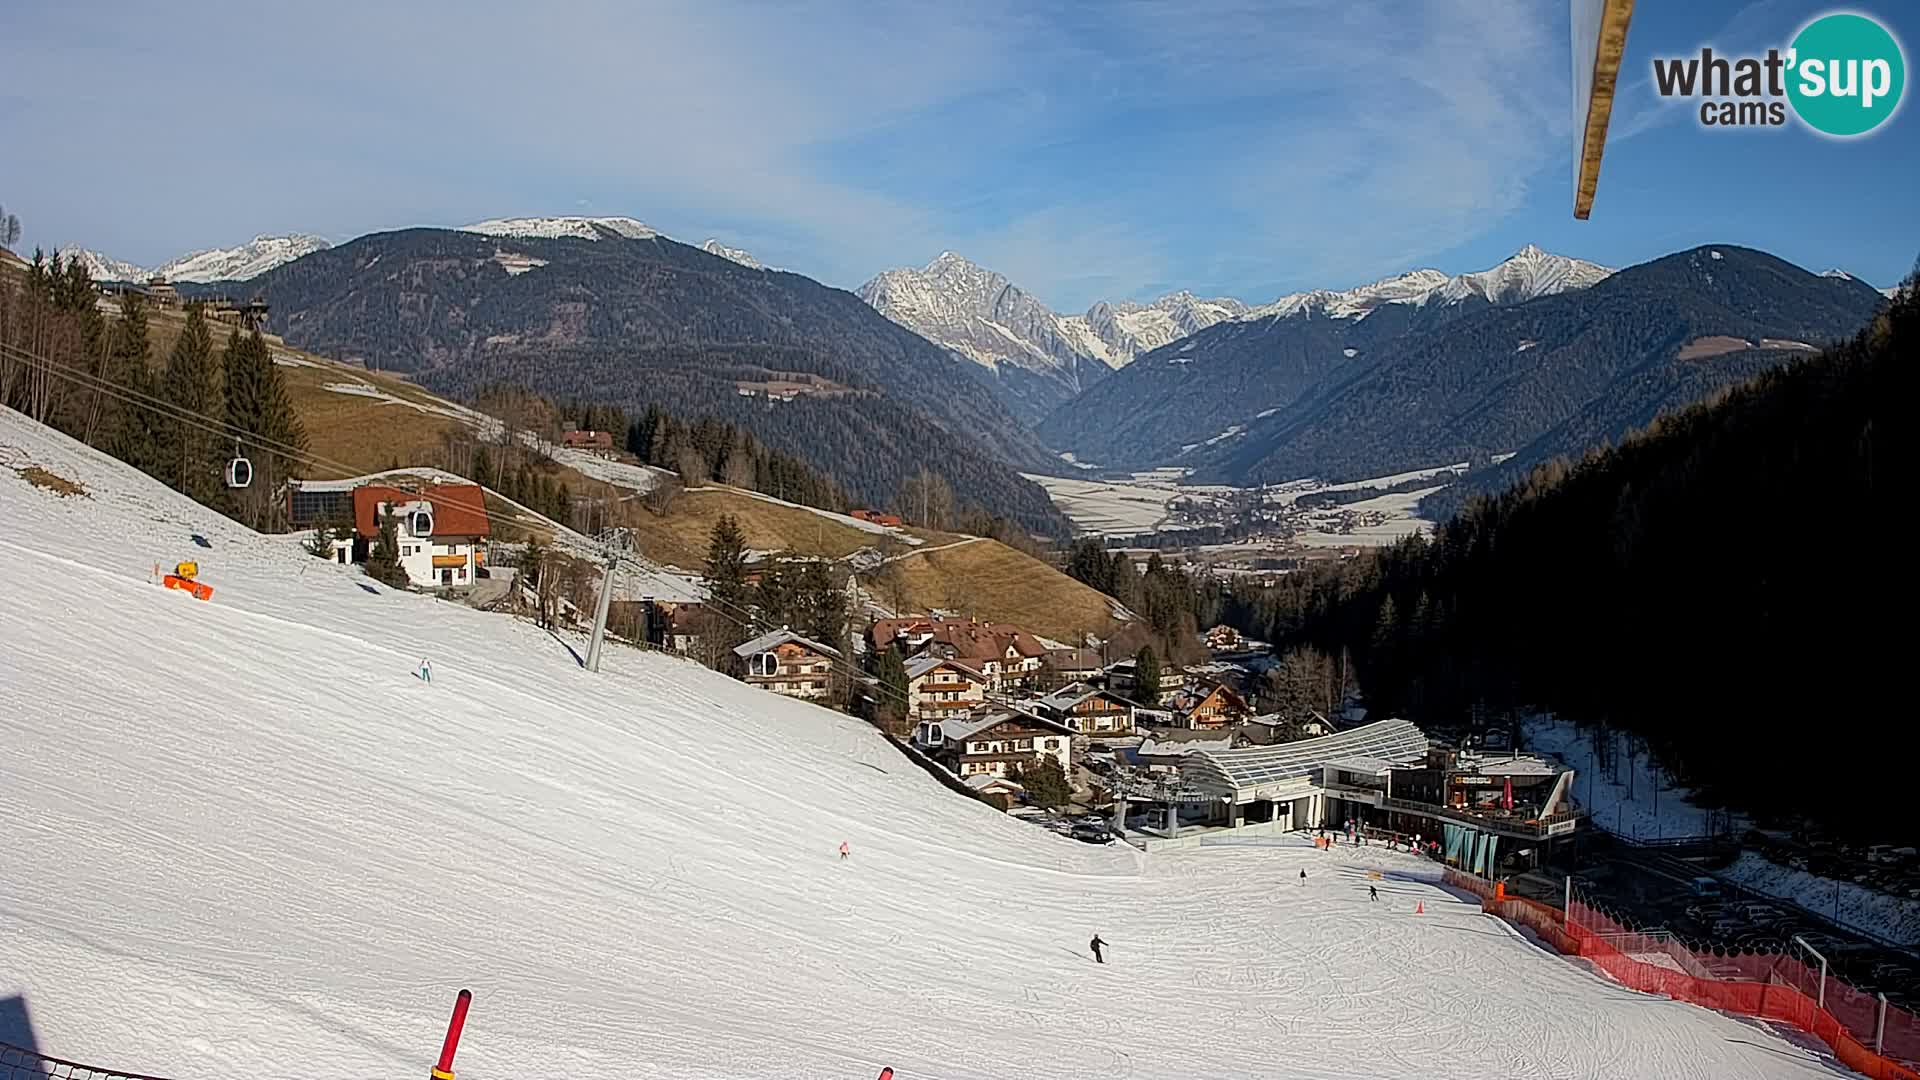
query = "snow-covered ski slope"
{"x": 242, "y": 839}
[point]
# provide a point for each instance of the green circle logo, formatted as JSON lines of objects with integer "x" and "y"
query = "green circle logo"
{"x": 1846, "y": 74}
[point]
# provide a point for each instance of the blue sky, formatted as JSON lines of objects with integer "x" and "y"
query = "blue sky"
{"x": 1098, "y": 151}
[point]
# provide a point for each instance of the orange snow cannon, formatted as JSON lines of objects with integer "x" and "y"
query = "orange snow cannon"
{"x": 183, "y": 578}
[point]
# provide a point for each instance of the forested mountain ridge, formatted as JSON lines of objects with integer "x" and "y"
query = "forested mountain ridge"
{"x": 1559, "y": 373}
{"x": 1204, "y": 391}
{"x": 1166, "y": 404}
{"x": 1348, "y": 392}
{"x": 1603, "y": 591}
{"x": 645, "y": 321}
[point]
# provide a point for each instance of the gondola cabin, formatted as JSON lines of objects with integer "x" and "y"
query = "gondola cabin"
{"x": 239, "y": 471}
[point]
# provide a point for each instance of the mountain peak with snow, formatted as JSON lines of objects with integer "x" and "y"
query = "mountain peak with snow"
{"x": 249, "y": 260}
{"x": 241, "y": 263}
{"x": 978, "y": 313}
{"x": 102, "y": 267}
{"x": 1528, "y": 273}
{"x": 554, "y": 228}
{"x": 732, "y": 254}
{"x": 975, "y": 313}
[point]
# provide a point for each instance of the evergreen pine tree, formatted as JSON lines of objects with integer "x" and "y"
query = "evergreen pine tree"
{"x": 727, "y": 568}
{"x": 191, "y": 460}
{"x": 483, "y": 468}
{"x": 823, "y": 613}
{"x": 1045, "y": 782}
{"x": 891, "y": 671}
{"x": 257, "y": 403}
{"x": 1383, "y": 651}
{"x": 1125, "y": 585}
{"x": 320, "y": 544}
{"x": 383, "y": 555}
{"x": 138, "y": 430}
{"x": 1146, "y": 676}
{"x": 777, "y": 597}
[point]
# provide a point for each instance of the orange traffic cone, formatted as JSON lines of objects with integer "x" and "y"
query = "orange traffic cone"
{"x": 1419, "y": 907}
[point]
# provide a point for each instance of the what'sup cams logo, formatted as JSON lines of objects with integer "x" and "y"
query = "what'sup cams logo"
{"x": 1842, "y": 76}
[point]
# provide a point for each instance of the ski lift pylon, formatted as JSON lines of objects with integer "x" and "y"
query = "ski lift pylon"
{"x": 239, "y": 470}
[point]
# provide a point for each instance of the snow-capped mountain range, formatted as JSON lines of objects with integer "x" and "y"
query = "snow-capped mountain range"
{"x": 248, "y": 260}
{"x": 1115, "y": 333}
{"x": 594, "y": 228}
{"x": 1528, "y": 273}
{"x": 979, "y": 314}
{"x": 263, "y": 253}
{"x": 984, "y": 317}
{"x": 553, "y": 228}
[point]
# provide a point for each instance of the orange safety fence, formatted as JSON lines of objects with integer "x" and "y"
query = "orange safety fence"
{"x": 1771, "y": 986}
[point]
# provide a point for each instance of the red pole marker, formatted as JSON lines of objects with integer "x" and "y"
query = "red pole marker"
{"x": 886, "y": 1073}
{"x": 444, "y": 1070}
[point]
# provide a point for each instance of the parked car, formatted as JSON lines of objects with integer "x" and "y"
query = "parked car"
{"x": 1089, "y": 832}
{"x": 1705, "y": 913}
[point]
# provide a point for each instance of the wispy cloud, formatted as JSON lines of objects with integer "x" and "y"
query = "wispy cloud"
{"x": 1110, "y": 151}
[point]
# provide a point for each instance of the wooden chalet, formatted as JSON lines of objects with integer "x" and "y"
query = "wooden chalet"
{"x": 786, "y": 663}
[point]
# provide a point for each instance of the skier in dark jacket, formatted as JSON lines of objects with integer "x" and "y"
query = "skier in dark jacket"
{"x": 1096, "y": 944}
{"x": 1373, "y": 893}
{"x": 1303, "y": 877}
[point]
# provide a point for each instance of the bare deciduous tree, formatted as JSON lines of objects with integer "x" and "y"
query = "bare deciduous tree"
{"x": 661, "y": 496}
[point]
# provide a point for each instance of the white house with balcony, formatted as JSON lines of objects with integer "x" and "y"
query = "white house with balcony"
{"x": 994, "y": 741}
{"x": 441, "y": 530}
{"x": 938, "y": 687}
{"x": 788, "y": 664}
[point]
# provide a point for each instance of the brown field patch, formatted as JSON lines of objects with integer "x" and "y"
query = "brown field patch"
{"x": 989, "y": 580}
{"x": 681, "y": 536}
{"x": 1712, "y": 345}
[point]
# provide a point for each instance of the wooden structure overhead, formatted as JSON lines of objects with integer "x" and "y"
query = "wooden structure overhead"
{"x": 1599, "y": 43}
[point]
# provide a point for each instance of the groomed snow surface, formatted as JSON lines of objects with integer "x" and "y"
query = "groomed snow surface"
{"x": 243, "y": 839}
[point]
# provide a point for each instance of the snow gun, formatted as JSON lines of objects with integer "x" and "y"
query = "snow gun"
{"x": 184, "y": 578}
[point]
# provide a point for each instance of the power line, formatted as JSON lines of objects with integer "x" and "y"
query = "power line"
{"x": 742, "y": 617}
{"x": 170, "y": 410}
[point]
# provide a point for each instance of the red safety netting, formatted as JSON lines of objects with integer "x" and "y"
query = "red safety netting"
{"x": 1771, "y": 986}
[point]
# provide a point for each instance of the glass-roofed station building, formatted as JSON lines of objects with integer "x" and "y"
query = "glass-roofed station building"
{"x": 1385, "y": 775}
{"x": 1287, "y": 784}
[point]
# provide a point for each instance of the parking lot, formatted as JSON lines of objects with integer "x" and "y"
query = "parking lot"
{"x": 1088, "y": 828}
{"x": 1652, "y": 891}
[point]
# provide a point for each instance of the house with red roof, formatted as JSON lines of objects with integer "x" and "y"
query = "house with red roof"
{"x": 441, "y": 529}
{"x": 1008, "y": 656}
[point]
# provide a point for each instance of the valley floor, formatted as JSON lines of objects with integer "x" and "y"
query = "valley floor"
{"x": 243, "y": 838}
